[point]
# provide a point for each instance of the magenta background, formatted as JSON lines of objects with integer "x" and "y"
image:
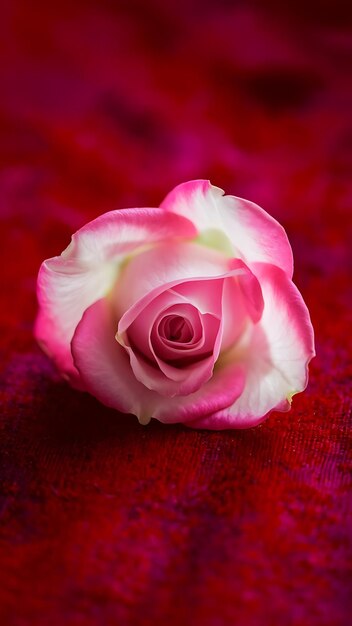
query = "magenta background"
{"x": 110, "y": 104}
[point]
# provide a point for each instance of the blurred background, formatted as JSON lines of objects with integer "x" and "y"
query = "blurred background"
{"x": 110, "y": 104}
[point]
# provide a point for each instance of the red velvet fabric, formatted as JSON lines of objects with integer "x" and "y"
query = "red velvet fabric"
{"x": 110, "y": 104}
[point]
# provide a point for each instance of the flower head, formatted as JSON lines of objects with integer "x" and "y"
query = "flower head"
{"x": 185, "y": 313}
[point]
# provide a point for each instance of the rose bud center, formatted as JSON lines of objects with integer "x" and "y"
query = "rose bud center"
{"x": 176, "y": 329}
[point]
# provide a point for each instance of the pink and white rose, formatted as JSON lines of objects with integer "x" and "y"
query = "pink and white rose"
{"x": 185, "y": 313}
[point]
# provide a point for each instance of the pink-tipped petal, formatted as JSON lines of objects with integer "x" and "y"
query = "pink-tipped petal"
{"x": 223, "y": 388}
{"x": 87, "y": 269}
{"x": 166, "y": 382}
{"x": 276, "y": 358}
{"x": 116, "y": 233}
{"x": 255, "y": 236}
{"x": 105, "y": 370}
{"x": 104, "y": 364}
{"x": 65, "y": 290}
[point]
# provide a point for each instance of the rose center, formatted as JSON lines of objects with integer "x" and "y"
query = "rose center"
{"x": 176, "y": 328}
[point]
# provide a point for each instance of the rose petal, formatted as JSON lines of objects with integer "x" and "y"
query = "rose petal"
{"x": 198, "y": 369}
{"x": 116, "y": 233}
{"x": 155, "y": 372}
{"x": 164, "y": 266}
{"x": 169, "y": 381}
{"x": 242, "y": 299}
{"x": 106, "y": 373}
{"x": 206, "y": 295}
{"x": 172, "y": 267}
{"x": 223, "y": 388}
{"x": 103, "y": 364}
{"x": 166, "y": 263}
{"x": 86, "y": 270}
{"x": 234, "y": 312}
{"x": 251, "y": 291}
{"x": 255, "y": 235}
{"x": 190, "y": 334}
{"x": 135, "y": 327}
{"x": 277, "y": 358}
{"x": 65, "y": 290}
{"x": 205, "y": 329}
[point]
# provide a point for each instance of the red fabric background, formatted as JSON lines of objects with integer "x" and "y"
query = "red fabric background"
{"x": 110, "y": 104}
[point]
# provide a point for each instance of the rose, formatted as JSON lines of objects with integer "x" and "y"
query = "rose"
{"x": 185, "y": 313}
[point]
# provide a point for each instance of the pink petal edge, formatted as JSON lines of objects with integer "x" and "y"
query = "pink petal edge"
{"x": 255, "y": 235}
{"x": 285, "y": 336}
{"x": 68, "y": 284}
{"x": 114, "y": 384}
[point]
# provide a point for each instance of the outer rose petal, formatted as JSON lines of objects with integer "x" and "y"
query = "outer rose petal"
{"x": 103, "y": 363}
{"x": 255, "y": 235}
{"x": 106, "y": 373}
{"x": 277, "y": 358}
{"x": 87, "y": 269}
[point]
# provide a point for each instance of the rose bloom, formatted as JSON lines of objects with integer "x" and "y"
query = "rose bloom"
{"x": 185, "y": 313}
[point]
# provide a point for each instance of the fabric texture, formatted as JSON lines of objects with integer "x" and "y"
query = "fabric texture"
{"x": 104, "y": 521}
